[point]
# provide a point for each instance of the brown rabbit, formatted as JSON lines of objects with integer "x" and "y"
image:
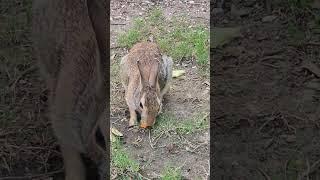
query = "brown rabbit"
{"x": 70, "y": 45}
{"x": 146, "y": 76}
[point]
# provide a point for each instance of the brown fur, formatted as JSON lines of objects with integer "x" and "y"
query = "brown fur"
{"x": 70, "y": 45}
{"x": 143, "y": 82}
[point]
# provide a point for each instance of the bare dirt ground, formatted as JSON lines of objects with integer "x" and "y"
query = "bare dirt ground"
{"x": 266, "y": 99}
{"x": 188, "y": 97}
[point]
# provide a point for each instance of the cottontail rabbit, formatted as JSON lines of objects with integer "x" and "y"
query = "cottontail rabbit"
{"x": 146, "y": 76}
{"x": 70, "y": 45}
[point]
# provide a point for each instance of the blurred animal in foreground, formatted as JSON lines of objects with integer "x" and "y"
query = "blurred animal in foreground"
{"x": 70, "y": 44}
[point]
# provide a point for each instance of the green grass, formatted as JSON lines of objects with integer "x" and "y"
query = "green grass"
{"x": 121, "y": 161}
{"x": 171, "y": 173}
{"x": 197, "y": 123}
{"x": 168, "y": 122}
{"x": 176, "y": 38}
{"x": 156, "y": 16}
{"x": 135, "y": 34}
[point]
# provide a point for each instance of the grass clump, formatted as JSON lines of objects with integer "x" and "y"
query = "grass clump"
{"x": 156, "y": 16}
{"x": 197, "y": 123}
{"x": 168, "y": 122}
{"x": 133, "y": 35}
{"x": 171, "y": 173}
{"x": 177, "y": 38}
{"x": 121, "y": 162}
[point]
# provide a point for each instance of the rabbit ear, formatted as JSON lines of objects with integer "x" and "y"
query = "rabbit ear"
{"x": 153, "y": 74}
{"x": 143, "y": 78}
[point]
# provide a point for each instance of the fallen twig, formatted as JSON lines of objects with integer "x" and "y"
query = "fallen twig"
{"x": 313, "y": 43}
{"x": 272, "y": 57}
{"x": 143, "y": 177}
{"x": 285, "y": 170}
{"x": 205, "y": 171}
{"x": 199, "y": 17}
{"x": 265, "y": 123}
{"x": 115, "y": 47}
{"x": 264, "y": 174}
{"x": 312, "y": 68}
{"x": 294, "y": 116}
{"x": 271, "y": 65}
{"x": 308, "y": 168}
{"x": 190, "y": 144}
{"x": 118, "y": 24}
{"x": 150, "y": 141}
{"x": 157, "y": 138}
{"x": 195, "y": 148}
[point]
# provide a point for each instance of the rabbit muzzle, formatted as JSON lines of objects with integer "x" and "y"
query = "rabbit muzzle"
{"x": 148, "y": 123}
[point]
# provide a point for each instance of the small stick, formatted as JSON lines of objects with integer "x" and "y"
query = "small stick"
{"x": 190, "y": 144}
{"x": 150, "y": 142}
{"x": 157, "y": 138}
{"x": 295, "y": 116}
{"x": 285, "y": 170}
{"x": 308, "y": 168}
{"x": 270, "y": 65}
{"x": 6, "y": 164}
{"x": 272, "y": 57}
{"x": 264, "y": 174}
{"x": 143, "y": 177}
{"x": 313, "y": 43}
{"x": 115, "y": 47}
{"x": 312, "y": 68}
{"x": 118, "y": 24}
{"x": 265, "y": 123}
{"x": 194, "y": 149}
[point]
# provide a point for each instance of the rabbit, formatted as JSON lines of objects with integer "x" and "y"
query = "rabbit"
{"x": 69, "y": 40}
{"x": 146, "y": 76}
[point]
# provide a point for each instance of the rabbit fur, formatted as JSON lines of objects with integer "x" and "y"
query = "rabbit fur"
{"x": 146, "y": 76}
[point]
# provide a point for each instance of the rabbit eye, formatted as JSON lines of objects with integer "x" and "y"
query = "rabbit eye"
{"x": 141, "y": 105}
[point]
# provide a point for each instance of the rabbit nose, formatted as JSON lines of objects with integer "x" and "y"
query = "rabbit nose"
{"x": 143, "y": 125}
{"x": 150, "y": 122}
